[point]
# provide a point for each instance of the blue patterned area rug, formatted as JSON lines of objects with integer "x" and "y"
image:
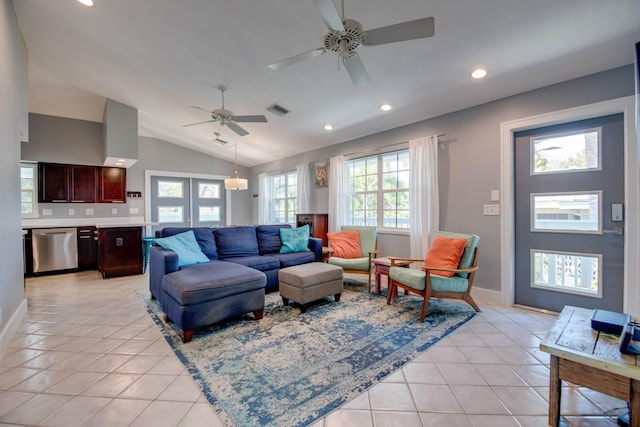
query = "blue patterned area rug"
{"x": 290, "y": 369}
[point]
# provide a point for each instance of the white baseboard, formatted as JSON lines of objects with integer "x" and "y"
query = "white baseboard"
{"x": 487, "y": 296}
{"x": 11, "y": 326}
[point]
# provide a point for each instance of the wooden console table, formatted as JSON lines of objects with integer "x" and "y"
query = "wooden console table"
{"x": 587, "y": 358}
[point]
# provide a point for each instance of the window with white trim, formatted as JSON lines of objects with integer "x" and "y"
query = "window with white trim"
{"x": 28, "y": 190}
{"x": 379, "y": 190}
{"x": 283, "y": 198}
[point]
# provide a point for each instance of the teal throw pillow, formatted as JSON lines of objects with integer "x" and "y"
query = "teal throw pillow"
{"x": 186, "y": 246}
{"x": 294, "y": 239}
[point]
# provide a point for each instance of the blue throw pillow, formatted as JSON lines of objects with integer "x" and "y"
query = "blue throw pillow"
{"x": 294, "y": 239}
{"x": 186, "y": 246}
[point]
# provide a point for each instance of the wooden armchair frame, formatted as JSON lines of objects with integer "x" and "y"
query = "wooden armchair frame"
{"x": 429, "y": 292}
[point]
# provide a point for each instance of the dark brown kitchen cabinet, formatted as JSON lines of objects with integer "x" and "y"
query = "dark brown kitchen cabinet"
{"x": 87, "y": 248}
{"x": 82, "y": 184}
{"x": 112, "y": 185}
{"x": 53, "y": 183}
{"x": 119, "y": 251}
{"x": 62, "y": 183}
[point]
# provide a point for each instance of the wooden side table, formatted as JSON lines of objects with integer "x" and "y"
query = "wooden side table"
{"x": 382, "y": 268}
{"x": 585, "y": 357}
{"x": 326, "y": 253}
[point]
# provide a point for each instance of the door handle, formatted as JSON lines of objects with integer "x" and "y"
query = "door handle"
{"x": 616, "y": 230}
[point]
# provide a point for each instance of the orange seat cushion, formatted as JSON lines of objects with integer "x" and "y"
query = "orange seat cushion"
{"x": 345, "y": 244}
{"x": 445, "y": 252}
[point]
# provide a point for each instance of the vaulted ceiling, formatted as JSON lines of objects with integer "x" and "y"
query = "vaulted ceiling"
{"x": 163, "y": 56}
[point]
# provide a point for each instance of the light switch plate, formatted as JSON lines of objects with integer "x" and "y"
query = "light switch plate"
{"x": 114, "y": 211}
{"x": 491, "y": 210}
{"x": 72, "y": 212}
{"x": 495, "y": 195}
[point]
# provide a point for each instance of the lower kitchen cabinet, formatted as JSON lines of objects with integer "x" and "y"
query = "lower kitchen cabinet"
{"x": 119, "y": 251}
{"x": 87, "y": 248}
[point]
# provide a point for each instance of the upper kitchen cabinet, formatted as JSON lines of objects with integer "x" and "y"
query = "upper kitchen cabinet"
{"x": 60, "y": 183}
{"x": 53, "y": 183}
{"x": 82, "y": 186}
{"x": 112, "y": 185}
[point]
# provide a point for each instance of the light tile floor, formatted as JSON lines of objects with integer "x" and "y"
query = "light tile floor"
{"x": 88, "y": 354}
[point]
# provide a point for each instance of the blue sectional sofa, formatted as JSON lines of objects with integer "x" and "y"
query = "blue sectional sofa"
{"x": 243, "y": 263}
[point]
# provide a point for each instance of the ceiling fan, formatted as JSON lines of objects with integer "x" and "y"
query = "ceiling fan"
{"x": 227, "y": 118}
{"x": 346, "y": 35}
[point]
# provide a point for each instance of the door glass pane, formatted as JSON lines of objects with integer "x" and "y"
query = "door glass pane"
{"x": 208, "y": 190}
{"x": 170, "y": 214}
{"x": 209, "y": 213}
{"x": 566, "y": 272}
{"x": 170, "y": 189}
{"x": 566, "y": 152}
{"x": 577, "y": 213}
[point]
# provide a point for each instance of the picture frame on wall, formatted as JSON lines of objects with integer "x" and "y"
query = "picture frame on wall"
{"x": 321, "y": 176}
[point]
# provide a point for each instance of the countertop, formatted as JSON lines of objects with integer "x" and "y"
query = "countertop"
{"x": 98, "y": 222}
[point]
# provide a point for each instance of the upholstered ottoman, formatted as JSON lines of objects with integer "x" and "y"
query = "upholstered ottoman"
{"x": 310, "y": 282}
{"x": 203, "y": 294}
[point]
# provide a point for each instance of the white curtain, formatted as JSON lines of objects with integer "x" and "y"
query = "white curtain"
{"x": 337, "y": 193}
{"x": 304, "y": 203}
{"x": 263, "y": 198}
{"x": 423, "y": 194}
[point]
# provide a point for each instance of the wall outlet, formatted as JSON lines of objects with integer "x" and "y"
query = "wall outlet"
{"x": 114, "y": 211}
{"x": 72, "y": 212}
{"x": 88, "y": 211}
{"x": 491, "y": 210}
{"x": 133, "y": 211}
{"x": 47, "y": 212}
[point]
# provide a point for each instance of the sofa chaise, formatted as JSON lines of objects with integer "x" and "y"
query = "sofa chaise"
{"x": 239, "y": 265}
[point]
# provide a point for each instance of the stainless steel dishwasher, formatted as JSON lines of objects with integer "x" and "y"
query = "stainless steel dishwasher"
{"x": 54, "y": 249}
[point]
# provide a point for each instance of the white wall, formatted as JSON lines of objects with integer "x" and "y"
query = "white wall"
{"x": 13, "y": 118}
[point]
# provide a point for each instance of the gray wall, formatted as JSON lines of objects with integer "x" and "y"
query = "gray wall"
{"x": 63, "y": 140}
{"x": 155, "y": 154}
{"x": 13, "y": 117}
{"x": 469, "y": 159}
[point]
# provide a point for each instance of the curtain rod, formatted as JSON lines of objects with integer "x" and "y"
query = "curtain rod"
{"x": 384, "y": 146}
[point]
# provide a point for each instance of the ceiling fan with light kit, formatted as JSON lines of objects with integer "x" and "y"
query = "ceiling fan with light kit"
{"x": 227, "y": 118}
{"x": 344, "y": 36}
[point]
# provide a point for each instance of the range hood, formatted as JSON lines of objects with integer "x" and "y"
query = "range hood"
{"x": 120, "y": 134}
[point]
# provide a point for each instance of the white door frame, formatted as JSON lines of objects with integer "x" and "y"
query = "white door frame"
{"x": 626, "y": 105}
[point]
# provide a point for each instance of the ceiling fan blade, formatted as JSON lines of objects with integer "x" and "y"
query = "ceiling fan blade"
{"x": 356, "y": 70}
{"x": 200, "y": 108}
{"x": 330, "y": 14}
{"x": 418, "y": 29}
{"x": 199, "y": 123}
{"x": 237, "y": 129}
{"x": 251, "y": 119}
{"x": 297, "y": 58}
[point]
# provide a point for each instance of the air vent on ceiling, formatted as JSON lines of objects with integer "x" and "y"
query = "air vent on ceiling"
{"x": 278, "y": 110}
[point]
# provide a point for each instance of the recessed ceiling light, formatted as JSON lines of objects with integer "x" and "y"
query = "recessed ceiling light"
{"x": 86, "y": 2}
{"x": 328, "y": 127}
{"x": 385, "y": 107}
{"x": 479, "y": 73}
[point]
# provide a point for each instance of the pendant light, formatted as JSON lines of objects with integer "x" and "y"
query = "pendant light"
{"x": 235, "y": 183}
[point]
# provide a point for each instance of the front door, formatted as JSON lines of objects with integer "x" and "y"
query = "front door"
{"x": 569, "y": 215}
